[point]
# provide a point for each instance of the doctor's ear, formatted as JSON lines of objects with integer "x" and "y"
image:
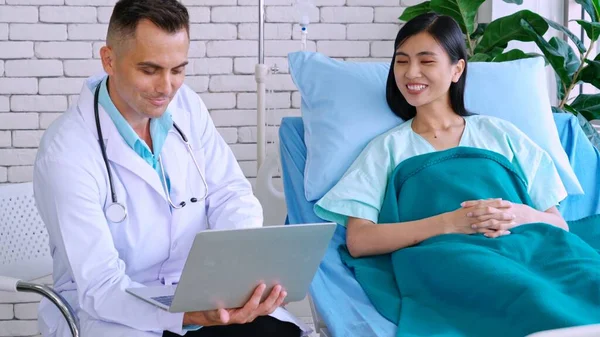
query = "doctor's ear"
{"x": 107, "y": 55}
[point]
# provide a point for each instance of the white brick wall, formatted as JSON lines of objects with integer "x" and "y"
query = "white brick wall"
{"x": 48, "y": 47}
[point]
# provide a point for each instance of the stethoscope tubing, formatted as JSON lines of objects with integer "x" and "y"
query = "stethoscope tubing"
{"x": 113, "y": 195}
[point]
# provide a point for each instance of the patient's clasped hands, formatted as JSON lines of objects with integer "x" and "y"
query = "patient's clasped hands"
{"x": 492, "y": 217}
{"x": 250, "y": 311}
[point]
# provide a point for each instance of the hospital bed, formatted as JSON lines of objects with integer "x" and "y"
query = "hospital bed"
{"x": 339, "y": 305}
{"x": 342, "y": 307}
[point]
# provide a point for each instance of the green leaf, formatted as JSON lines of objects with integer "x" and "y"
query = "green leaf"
{"x": 414, "y": 11}
{"x": 463, "y": 11}
{"x": 508, "y": 28}
{"x": 564, "y": 110}
{"x": 518, "y": 2}
{"x": 514, "y": 54}
{"x": 588, "y": 105}
{"x": 591, "y": 72}
{"x": 570, "y": 109}
{"x": 592, "y": 29}
{"x": 589, "y": 131}
{"x": 561, "y": 88}
{"x": 560, "y": 55}
{"x": 480, "y": 58}
{"x": 592, "y": 7}
{"x": 479, "y": 30}
{"x": 584, "y": 123}
{"x": 572, "y": 61}
{"x": 495, "y": 51}
{"x": 568, "y": 33}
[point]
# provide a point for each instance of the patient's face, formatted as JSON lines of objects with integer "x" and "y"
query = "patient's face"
{"x": 424, "y": 71}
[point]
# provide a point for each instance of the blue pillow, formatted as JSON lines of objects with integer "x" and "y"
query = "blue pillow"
{"x": 344, "y": 107}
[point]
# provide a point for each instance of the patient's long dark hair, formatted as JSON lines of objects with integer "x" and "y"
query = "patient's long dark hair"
{"x": 448, "y": 34}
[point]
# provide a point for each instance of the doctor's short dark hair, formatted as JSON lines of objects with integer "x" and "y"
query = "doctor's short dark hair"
{"x": 169, "y": 15}
{"x": 446, "y": 31}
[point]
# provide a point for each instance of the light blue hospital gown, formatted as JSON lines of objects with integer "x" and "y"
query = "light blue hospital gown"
{"x": 360, "y": 192}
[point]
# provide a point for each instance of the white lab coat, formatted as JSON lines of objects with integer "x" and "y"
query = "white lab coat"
{"x": 96, "y": 260}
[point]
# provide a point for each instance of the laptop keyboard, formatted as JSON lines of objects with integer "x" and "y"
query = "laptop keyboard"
{"x": 166, "y": 300}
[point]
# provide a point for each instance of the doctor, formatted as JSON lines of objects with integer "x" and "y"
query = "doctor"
{"x": 123, "y": 195}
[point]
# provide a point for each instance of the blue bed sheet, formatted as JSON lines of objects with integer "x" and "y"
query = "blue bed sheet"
{"x": 585, "y": 160}
{"x": 338, "y": 298}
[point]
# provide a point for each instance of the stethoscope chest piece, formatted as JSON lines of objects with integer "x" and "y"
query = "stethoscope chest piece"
{"x": 116, "y": 212}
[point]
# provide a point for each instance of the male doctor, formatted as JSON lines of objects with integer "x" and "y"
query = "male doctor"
{"x": 123, "y": 196}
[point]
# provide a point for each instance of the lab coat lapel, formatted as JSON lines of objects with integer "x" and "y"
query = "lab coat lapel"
{"x": 117, "y": 150}
{"x": 120, "y": 153}
{"x": 174, "y": 157}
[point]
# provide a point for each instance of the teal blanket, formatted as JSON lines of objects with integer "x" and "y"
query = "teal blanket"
{"x": 538, "y": 278}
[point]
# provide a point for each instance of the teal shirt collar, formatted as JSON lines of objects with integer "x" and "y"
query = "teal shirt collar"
{"x": 159, "y": 128}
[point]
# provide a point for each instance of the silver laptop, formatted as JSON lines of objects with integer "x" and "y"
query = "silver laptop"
{"x": 224, "y": 267}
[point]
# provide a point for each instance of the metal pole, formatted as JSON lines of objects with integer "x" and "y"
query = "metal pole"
{"x": 261, "y": 73}
{"x": 261, "y": 31}
{"x": 55, "y": 298}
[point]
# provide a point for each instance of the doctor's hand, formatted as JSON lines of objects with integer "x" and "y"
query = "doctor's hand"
{"x": 246, "y": 314}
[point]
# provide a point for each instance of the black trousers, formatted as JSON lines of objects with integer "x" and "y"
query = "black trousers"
{"x": 263, "y": 326}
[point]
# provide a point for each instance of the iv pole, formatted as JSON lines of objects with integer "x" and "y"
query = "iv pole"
{"x": 272, "y": 199}
{"x": 261, "y": 72}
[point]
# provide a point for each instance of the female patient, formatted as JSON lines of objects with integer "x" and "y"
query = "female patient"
{"x": 425, "y": 87}
{"x": 408, "y": 188}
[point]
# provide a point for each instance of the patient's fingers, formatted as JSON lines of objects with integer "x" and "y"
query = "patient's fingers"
{"x": 497, "y": 234}
{"x": 485, "y": 230}
{"x": 495, "y": 224}
{"x": 501, "y": 204}
{"x": 471, "y": 203}
{"x": 497, "y": 203}
{"x": 491, "y": 208}
{"x": 498, "y": 216}
{"x": 481, "y": 211}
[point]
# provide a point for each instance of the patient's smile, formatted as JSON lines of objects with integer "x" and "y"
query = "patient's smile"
{"x": 415, "y": 88}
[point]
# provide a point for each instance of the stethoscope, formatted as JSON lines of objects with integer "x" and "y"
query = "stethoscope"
{"x": 116, "y": 211}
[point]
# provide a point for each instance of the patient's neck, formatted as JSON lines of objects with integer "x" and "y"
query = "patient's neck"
{"x": 435, "y": 117}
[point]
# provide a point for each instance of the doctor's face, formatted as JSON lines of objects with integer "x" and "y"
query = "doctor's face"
{"x": 424, "y": 70}
{"x": 146, "y": 70}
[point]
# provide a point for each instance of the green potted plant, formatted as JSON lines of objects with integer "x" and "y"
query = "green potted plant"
{"x": 487, "y": 42}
